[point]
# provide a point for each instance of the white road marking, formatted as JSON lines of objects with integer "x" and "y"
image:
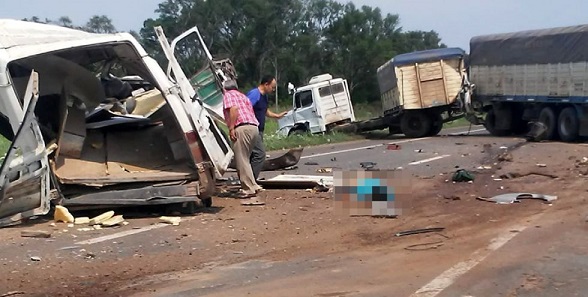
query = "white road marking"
{"x": 429, "y": 160}
{"x": 379, "y": 145}
{"x": 128, "y": 232}
{"x": 121, "y": 234}
{"x": 363, "y": 148}
{"x": 448, "y": 277}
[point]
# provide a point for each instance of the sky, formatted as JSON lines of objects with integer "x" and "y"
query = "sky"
{"x": 456, "y": 21}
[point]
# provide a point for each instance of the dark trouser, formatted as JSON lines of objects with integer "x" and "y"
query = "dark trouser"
{"x": 257, "y": 156}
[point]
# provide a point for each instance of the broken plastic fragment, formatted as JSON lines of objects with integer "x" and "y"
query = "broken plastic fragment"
{"x": 62, "y": 215}
{"x": 514, "y": 197}
{"x": 82, "y": 221}
{"x": 101, "y": 218}
{"x": 116, "y": 220}
{"x": 171, "y": 220}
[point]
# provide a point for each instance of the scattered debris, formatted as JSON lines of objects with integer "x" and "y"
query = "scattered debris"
{"x": 424, "y": 246}
{"x": 35, "y": 234}
{"x": 463, "y": 175}
{"x": 541, "y": 165}
{"x": 505, "y": 157}
{"x": 35, "y": 259}
{"x": 85, "y": 229}
{"x": 536, "y": 132}
{"x": 451, "y": 197}
{"x": 101, "y": 218}
{"x": 82, "y": 221}
{"x": 62, "y": 215}
{"x": 97, "y": 227}
{"x": 513, "y": 175}
{"x": 459, "y": 143}
{"x": 171, "y": 220}
{"x": 393, "y": 147}
{"x": 334, "y": 159}
{"x": 584, "y": 161}
{"x": 90, "y": 255}
{"x": 252, "y": 201}
{"x": 419, "y": 231}
{"x": 514, "y": 197}
{"x": 12, "y": 293}
{"x": 418, "y": 151}
{"x": 311, "y": 163}
{"x": 324, "y": 170}
{"x": 116, "y": 220}
{"x": 368, "y": 165}
{"x": 503, "y": 148}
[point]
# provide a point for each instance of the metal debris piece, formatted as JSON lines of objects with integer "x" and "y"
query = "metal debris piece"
{"x": 324, "y": 170}
{"x": 514, "y": 197}
{"x": 35, "y": 234}
{"x": 541, "y": 165}
{"x": 368, "y": 165}
{"x": 424, "y": 246}
{"x": 36, "y": 259}
{"x": 12, "y": 293}
{"x": 419, "y": 231}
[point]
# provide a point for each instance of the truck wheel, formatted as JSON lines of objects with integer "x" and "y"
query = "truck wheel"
{"x": 568, "y": 124}
{"x": 437, "y": 125}
{"x": 549, "y": 119}
{"x": 415, "y": 124}
{"x": 490, "y": 124}
{"x": 297, "y": 131}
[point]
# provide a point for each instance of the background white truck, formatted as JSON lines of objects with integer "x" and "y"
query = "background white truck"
{"x": 317, "y": 107}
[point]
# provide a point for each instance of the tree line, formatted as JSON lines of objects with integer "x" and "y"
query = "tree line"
{"x": 292, "y": 39}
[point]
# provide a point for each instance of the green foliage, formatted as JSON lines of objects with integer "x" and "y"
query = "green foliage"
{"x": 96, "y": 24}
{"x": 292, "y": 39}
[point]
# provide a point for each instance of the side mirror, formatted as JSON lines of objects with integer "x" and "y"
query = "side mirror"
{"x": 291, "y": 88}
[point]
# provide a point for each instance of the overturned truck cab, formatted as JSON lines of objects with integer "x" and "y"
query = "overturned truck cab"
{"x": 91, "y": 120}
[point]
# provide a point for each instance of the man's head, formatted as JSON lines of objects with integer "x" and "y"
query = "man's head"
{"x": 230, "y": 85}
{"x": 268, "y": 84}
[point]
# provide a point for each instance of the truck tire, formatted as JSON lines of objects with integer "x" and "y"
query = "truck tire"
{"x": 548, "y": 117}
{"x": 490, "y": 124}
{"x": 437, "y": 125}
{"x": 568, "y": 125}
{"x": 415, "y": 124}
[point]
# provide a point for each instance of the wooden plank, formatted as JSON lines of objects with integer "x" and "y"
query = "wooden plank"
{"x": 444, "y": 82}
{"x": 419, "y": 84}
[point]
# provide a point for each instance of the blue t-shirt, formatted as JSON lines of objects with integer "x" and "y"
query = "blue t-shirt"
{"x": 259, "y": 103}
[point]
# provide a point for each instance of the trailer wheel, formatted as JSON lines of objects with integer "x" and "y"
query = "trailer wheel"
{"x": 548, "y": 117}
{"x": 568, "y": 125}
{"x": 415, "y": 124}
{"x": 490, "y": 124}
{"x": 437, "y": 124}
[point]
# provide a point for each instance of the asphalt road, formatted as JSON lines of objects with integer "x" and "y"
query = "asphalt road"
{"x": 453, "y": 148}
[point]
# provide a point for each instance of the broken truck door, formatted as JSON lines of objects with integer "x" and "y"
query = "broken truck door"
{"x": 216, "y": 146}
{"x": 24, "y": 175}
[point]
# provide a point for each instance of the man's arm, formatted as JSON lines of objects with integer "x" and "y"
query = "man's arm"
{"x": 273, "y": 115}
{"x": 233, "y": 114}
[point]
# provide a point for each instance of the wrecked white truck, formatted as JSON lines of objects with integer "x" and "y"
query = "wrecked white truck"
{"x": 107, "y": 125}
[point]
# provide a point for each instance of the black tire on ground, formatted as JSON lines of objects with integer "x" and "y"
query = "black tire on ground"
{"x": 437, "y": 124}
{"x": 548, "y": 117}
{"x": 568, "y": 124}
{"x": 490, "y": 124}
{"x": 297, "y": 131}
{"x": 415, "y": 124}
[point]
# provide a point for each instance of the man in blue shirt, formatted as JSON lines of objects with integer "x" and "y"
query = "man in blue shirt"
{"x": 259, "y": 99}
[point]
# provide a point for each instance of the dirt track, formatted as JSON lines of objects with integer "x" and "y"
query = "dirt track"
{"x": 291, "y": 246}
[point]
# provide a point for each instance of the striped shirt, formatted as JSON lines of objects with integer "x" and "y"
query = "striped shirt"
{"x": 245, "y": 114}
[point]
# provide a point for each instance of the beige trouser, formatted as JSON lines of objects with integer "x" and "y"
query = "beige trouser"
{"x": 246, "y": 138}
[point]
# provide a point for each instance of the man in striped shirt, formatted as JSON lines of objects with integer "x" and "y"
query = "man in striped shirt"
{"x": 243, "y": 131}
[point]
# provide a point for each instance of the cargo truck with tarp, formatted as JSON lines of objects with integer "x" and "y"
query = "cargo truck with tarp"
{"x": 536, "y": 76}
